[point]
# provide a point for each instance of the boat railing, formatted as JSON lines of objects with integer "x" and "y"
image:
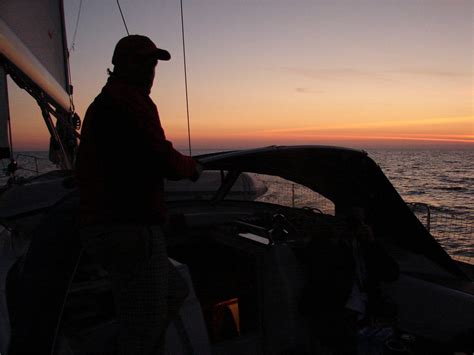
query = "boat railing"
{"x": 23, "y": 166}
{"x": 423, "y": 212}
{"x": 454, "y": 231}
{"x": 288, "y": 193}
{"x": 35, "y": 161}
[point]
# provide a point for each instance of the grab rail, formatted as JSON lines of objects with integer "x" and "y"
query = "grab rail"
{"x": 415, "y": 207}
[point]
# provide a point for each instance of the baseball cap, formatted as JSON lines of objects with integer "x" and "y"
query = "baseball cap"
{"x": 137, "y": 47}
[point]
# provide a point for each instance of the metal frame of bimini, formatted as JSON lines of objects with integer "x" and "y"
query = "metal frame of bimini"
{"x": 17, "y": 61}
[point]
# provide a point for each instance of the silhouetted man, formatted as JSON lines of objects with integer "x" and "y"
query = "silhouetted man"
{"x": 122, "y": 161}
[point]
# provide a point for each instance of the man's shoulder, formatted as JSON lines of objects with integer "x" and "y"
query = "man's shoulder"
{"x": 124, "y": 97}
{"x": 101, "y": 104}
{"x": 123, "y": 101}
{"x": 110, "y": 101}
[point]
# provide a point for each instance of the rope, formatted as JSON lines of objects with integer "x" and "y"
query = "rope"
{"x": 185, "y": 78}
{"x": 77, "y": 26}
{"x": 123, "y": 18}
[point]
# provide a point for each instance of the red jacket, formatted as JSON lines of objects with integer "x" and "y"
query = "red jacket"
{"x": 124, "y": 156}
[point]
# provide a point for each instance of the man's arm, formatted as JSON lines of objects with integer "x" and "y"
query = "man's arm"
{"x": 177, "y": 166}
{"x": 173, "y": 164}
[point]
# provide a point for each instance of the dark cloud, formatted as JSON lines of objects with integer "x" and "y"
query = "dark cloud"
{"x": 380, "y": 75}
{"x": 430, "y": 72}
{"x": 333, "y": 73}
{"x": 308, "y": 91}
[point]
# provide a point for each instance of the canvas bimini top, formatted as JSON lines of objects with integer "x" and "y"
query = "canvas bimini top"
{"x": 347, "y": 177}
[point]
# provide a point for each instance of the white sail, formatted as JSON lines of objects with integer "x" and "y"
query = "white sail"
{"x": 20, "y": 55}
{"x": 33, "y": 49}
{"x": 39, "y": 25}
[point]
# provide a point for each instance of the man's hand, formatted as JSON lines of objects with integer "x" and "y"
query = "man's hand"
{"x": 199, "y": 169}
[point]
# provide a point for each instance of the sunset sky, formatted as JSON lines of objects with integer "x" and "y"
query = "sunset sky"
{"x": 358, "y": 73}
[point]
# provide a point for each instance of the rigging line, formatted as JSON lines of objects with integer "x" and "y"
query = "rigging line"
{"x": 9, "y": 121}
{"x": 185, "y": 78}
{"x": 3, "y": 80}
{"x": 77, "y": 26}
{"x": 10, "y": 135}
{"x": 123, "y": 18}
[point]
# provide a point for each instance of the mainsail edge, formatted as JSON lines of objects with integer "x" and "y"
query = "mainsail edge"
{"x": 21, "y": 57}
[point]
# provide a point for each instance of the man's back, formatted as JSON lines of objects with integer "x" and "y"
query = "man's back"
{"x": 124, "y": 156}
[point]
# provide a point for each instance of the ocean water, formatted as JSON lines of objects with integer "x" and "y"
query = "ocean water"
{"x": 443, "y": 180}
{"x": 435, "y": 182}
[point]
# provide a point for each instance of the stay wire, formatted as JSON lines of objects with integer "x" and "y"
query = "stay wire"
{"x": 185, "y": 78}
{"x": 77, "y": 26}
{"x": 123, "y": 18}
{"x": 10, "y": 136}
{"x": 9, "y": 121}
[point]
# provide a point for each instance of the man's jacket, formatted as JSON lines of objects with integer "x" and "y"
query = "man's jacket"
{"x": 124, "y": 157}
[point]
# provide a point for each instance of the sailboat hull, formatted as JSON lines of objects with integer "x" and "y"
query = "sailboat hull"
{"x": 247, "y": 282}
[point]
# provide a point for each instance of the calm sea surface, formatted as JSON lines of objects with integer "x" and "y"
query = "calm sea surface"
{"x": 444, "y": 181}
{"x": 441, "y": 180}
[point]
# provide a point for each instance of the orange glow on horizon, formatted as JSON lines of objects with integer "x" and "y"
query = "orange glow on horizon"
{"x": 455, "y": 130}
{"x": 450, "y": 123}
{"x": 255, "y": 140}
